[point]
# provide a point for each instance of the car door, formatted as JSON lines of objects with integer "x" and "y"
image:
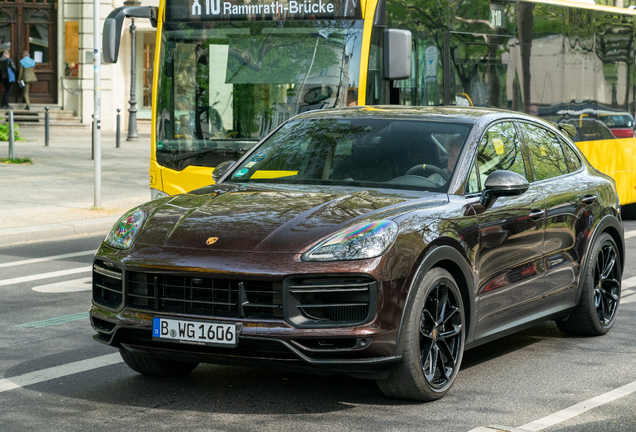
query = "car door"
{"x": 509, "y": 258}
{"x": 570, "y": 199}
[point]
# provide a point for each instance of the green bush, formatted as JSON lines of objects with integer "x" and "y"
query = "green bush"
{"x": 4, "y": 131}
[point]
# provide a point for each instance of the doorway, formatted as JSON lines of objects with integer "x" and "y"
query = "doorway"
{"x": 30, "y": 25}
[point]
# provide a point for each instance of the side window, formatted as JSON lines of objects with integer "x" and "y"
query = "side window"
{"x": 473, "y": 182}
{"x": 499, "y": 149}
{"x": 546, "y": 154}
{"x": 571, "y": 159}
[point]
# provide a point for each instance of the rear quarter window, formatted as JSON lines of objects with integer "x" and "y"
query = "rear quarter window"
{"x": 546, "y": 153}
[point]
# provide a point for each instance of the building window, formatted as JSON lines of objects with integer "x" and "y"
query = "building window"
{"x": 71, "y": 49}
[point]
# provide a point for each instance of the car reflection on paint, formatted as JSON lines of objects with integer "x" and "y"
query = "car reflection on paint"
{"x": 589, "y": 129}
{"x": 621, "y": 124}
{"x": 378, "y": 242}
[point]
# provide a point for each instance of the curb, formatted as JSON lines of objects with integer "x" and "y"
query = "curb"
{"x": 11, "y": 236}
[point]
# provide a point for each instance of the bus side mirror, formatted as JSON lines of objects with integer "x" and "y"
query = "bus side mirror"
{"x": 111, "y": 36}
{"x": 397, "y": 54}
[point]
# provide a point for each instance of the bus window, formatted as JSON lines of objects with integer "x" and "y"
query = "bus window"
{"x": 224, "y": 86}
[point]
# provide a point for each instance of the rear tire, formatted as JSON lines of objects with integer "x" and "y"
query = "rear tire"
{"x": 156, "y": 367}
{"x": 596, "y": 312}
{"x": 434, "y": 342}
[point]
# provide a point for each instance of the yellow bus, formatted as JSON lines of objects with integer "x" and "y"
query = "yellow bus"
{"x": 227, "y": 73}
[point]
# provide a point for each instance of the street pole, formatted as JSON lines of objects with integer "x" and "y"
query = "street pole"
{"x": 132, "y": 118}
{"x": 97, "y": 101}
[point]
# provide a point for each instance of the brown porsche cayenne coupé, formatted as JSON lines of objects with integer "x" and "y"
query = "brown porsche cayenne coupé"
{"x": 379, "y": 242}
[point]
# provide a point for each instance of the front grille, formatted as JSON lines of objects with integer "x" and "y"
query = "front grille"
{"x": 316, "y": 302}
{"x": 107, "y": 284}
{"x": 206, "y": 296}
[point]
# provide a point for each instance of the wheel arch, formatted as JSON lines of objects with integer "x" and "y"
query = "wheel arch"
{"x": 453, "y": 261}
{"x": 611, "y": 225}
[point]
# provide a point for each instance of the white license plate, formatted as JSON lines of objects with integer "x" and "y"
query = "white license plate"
{"x": 195, "y": 332}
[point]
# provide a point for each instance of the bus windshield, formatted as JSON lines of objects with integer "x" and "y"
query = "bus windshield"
{"x": 224, "y": 85}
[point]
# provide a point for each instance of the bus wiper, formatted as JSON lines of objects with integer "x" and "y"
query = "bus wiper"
{"x": 173, "y": 158}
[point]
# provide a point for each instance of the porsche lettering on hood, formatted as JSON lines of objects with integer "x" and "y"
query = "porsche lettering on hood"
{"x": 274, "y": 219}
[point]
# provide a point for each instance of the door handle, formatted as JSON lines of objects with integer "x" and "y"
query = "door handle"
{"x": 536, "y": 214}
{"x": 589, "y": 199}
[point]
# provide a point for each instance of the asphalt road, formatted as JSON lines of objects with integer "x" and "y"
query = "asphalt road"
{"x": 54, "y": 377}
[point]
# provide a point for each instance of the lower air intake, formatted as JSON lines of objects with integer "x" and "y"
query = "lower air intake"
{"x": 330, "y": 302}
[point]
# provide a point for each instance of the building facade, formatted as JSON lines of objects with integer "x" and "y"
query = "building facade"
{"x": 59, "y": 36}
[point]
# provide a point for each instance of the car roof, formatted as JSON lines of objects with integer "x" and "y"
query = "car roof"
{"x": 469, "y": 115}
{"x": 577, "y": 120}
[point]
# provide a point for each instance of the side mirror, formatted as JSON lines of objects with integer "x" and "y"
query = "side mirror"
{"x": 502, "y": 183}
{"x": 111, "y": 36}
{"x": 222, "y": 169}
{"x": 397, "y": 54}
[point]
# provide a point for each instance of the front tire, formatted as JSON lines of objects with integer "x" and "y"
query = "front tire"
{"x": 156, "y": 367}
{"x": 596, "y": 312}
{"x": 434, "y": 342}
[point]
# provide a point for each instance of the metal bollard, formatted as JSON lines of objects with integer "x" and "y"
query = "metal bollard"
{"x": 118, "y": 128}
{"x": 93, "y": 138}
{"x": 46, "y": 127}
{"x": 11, "y": 136}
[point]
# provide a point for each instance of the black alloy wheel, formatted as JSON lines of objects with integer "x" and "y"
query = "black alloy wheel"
{"x": 601, "y": 292}
{"x": 607, "y": 284}
{"x": 433, "y": 341}
{"x": 440, "y": 336}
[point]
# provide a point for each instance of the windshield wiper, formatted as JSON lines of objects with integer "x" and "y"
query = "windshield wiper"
{"x": 173, "y": 158}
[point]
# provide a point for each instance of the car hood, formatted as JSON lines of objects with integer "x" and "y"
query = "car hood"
{"x": 270, "y": 219}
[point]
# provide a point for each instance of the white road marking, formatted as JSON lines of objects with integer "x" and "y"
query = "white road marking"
{"x": 83, "y": 284}
{"x": 630, "y": 234}
{"x": 7, "y": 384}
{"x": 628, "y": 299}
{"x": 580, "y": 408}
{"x": 49, "y": 258}
{"x": 44, "y": 276}
{"x": 628, "y": 283}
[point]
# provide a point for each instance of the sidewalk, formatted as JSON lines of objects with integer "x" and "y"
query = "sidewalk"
{"x": 54, "y": 196}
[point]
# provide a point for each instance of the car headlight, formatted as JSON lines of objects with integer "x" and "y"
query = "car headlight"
{"x": 125, "y": 230}
{"x": 368, "y": 240}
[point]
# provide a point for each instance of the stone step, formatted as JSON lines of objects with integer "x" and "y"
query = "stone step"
{"x": 52, "y": 114}
{"x": 32, "y": 117}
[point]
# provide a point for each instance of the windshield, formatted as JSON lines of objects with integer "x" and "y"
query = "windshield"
{"x": 365, "y": 152}
{"x": 225, "y": 85}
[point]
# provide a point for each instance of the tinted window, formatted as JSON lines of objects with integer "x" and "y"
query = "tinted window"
{"x": 571, "y": 159}
{"x": 499, "y": 149}
{"x": 546, "y": 155}
{"x": 355, "y": 151}
{"x": 473, "y": 182}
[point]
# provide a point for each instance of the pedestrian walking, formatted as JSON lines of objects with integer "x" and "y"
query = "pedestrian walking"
{"x": 7, "y": 73}
{"x": 26, "y": 76}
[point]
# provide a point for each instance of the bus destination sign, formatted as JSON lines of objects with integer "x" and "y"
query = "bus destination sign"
{"x": 261, "y": 10}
